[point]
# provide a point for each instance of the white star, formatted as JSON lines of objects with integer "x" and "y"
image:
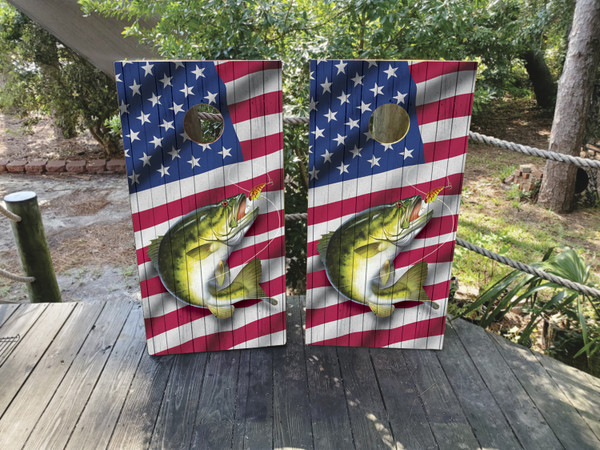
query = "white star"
{"x": 318, "y": 132}
{"x": 356, "y": 152}
{"x": 341, "y": 140}
{"x": 133, "y": 136}
{"x": 225, "y": 152}
{"x": 126, "y": 153}
{"x": 312, "y": 105}
{"x": 326, "y": 86}
{"x": 344, "y": 98}
{"x": 155, "y": 100}
{"x": 147, "y": 68}
{"x": 194, "y": 162}
{"x": 327, "y": 156}
{"x": 372, "y": 63}
{"x": 313, "y": 174}
{"x": 198, "y": 72}
{"x": 408, "y": 153}
{"x": 135, "y": 88}
{"x": 387, "y": 147}
{"x": 176, "y": 108}
{"x": 205, "y": 147}
{"x": 368, "y": 135}
{"x": 310, "y": 149}
{"x": 390, "y": 72}
{"x": 163, "y": 171}
{"x": 146, "y": 159}
{"x": 135, "y": 178}
{"x": 187, "y": 90}
{"x": 357, "y": 79}
{"x": 123, "y": 108}
{"x": 374, "y": 161}
{"x": 330, "y": 116}
{"x": 343, "y": 168}
{"x": 166, "y": 81}
{"x": 143, "y": 118}
{"x": 377, "y": 90}
{"x": 364, "y": 107}
{"x": 118, "y": 78}
{"x": 312, "y": 75}
{"x": 212, "y": 98}
{"x": 399, "y": 97}
{"x": 178, "y": 64}
{"x": 184, "y": 136}
{"x": 167, "y": 125}
{"x": 352, "y": 123}
{"x": 320, "y": 60}
{"x": 174, "y": 153}
{"x": 156, "y": 141}
{"x": 341, "y": 67}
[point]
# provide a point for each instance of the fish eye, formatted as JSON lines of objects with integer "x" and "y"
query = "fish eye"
{"x": 399, "y": 204}
{"x": 224, "y": 203}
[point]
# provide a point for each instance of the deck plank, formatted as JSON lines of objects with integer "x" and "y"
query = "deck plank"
{"x": 6, "y": 311}
{"x": 98, "y": 419}
{"x": 35, "y": 394}
{"x": 366, "y": 407}
{"x": 62, "y": 413}
{"x": 175, "y": 419}
{"x": 525, "y": 419}
{"x": 37, "y": 326}
{"x": 291, "y": 407}
{"x": 216, "y": 406}
{"x": 563, "y": 418}
{"x": 478, "y": 404}
{"x": 446, "y": 418}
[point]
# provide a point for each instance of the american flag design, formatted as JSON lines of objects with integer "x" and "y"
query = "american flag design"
{"x": 170, "y": 175}
{"x": 352, "y": 174}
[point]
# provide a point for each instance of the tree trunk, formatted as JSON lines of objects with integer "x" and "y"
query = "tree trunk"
{"x": 541, "y": 78}
{"x": 574, "y": 97}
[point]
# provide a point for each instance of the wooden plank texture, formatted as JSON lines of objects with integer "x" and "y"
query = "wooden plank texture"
{"x": 62, "y": 413}
{"x": 101, "y": 413}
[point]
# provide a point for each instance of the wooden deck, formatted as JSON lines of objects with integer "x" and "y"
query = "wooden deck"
{"x": 80, "y": 377}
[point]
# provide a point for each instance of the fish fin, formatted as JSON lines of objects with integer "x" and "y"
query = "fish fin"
{"x": 382, "y": 310}
{"x": 221, "y": 311}
{"x": 222, "y": 272}
{"x": 153, "y": 251}
{"x": 366, "y": 251}
{"x": 408, "y": 287}
{"x": 201, "y": 252}
{"x": 323, "y": 244}
{"x": 248, "y": 278}
{"x": 385, "y": 272}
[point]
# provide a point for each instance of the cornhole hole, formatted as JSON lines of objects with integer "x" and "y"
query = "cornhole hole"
{"x": 386, "y": 162}
{"x": 206, "y": 200}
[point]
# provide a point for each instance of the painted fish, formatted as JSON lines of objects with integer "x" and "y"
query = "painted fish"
{"x": 359, "y": 255}
{"x": 191, "y": 258}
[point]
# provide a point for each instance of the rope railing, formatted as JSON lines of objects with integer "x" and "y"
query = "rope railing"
{"x": 18, "y": 278}
{"x": 12, "y": 216}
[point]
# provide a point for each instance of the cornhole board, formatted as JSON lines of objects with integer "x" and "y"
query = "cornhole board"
{"x": 206, "y": 200}
{"x": 386, "y": 162}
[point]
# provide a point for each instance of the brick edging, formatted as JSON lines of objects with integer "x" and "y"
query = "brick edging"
{"x": 39, "y": 166}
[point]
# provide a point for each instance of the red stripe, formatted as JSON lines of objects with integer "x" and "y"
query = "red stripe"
{"x": 153, "y": 286}
{"x": 227, "y": 339}
{"x": 382, "y": 338}
{"x": 176, "y": 208}
{"x": 426, "y": 70}
{"x": 440, "y": 150}
{"x": 232, "y": 70}
{"x": 260, "y": 105}
{"x": 448, "y": 108}
{"x": 335, "y": 210}
{"x": 255, "y": 148}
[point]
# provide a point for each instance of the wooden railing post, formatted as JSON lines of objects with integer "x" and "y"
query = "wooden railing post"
{"x": 33, "y": 248}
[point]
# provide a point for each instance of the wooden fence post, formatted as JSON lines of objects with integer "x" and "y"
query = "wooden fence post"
{"x": 33, "y": 248}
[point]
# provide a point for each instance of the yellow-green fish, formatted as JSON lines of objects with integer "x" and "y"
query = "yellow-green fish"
{"x": 191, "y": 258}
{"x": 359, "y": 255}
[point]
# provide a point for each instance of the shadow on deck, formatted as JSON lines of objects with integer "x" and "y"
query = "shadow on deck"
{"x": 80, "y": 377}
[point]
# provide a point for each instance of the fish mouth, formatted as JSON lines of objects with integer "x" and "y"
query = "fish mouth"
{"x": 242, "y": 215}
{"x": 420, "y": 214}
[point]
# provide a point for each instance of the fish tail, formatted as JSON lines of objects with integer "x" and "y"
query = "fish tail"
{"x": 246, "y": 284}
{"x": 408, "y": 287}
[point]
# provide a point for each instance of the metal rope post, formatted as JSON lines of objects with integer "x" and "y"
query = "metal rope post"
{"x": 33, "y": 248}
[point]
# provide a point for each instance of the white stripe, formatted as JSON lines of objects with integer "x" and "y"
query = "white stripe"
{"x": 445, "y": 86}
{"x": 165, "y": 303}
{"x": 445, "y": 129}
{"x": 429, "y": 343}
{"x": 268, "y": 340}
{"x": 368, "y": 322}
{"x": 210, "y": 324}
{"x": 258, "y": 127}
{"x": 221, "y": 176}
{"x": 396, "y": 178}
{"x": 252, "y": 85}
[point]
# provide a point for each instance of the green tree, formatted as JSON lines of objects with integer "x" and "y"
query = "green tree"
{"x": 42, "y": 75}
